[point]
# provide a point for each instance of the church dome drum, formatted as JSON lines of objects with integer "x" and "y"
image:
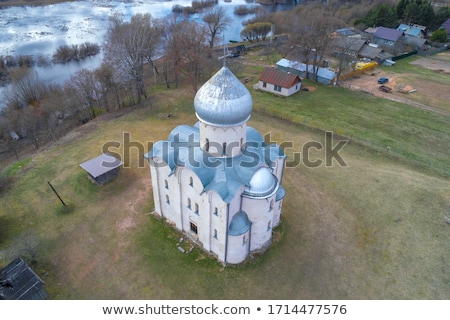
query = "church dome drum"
{"x": 223, "y": 100}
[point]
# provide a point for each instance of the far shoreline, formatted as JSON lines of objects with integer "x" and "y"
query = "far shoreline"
{"x": 22, "y": 3}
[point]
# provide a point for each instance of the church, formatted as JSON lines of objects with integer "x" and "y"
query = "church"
{"x": 217, "y": 181}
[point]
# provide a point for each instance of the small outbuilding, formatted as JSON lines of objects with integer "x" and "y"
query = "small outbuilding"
{"x": 279, "y": 82}
{"x": 319, "y": 74}
{"x": 103, "y": 168}
{"x": 19, "y": 282}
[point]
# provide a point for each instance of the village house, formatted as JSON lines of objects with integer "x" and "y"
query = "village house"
{"x": 349, "y": 46}
{"x": 387, "y": 36}
{"x": 279, "y": 82}
{"x": 218, "y": 182}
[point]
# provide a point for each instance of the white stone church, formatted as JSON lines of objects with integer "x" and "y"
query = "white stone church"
{"x": 218, "y": 181}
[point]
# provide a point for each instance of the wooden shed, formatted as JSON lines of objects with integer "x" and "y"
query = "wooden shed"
{"x": 103, "y": 168}
{"x": 19, "y": 282}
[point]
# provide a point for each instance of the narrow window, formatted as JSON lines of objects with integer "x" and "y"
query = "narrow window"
{"x": 194, "y": 228}
{"x": 196, "y": 208}
{"x": 189, "y": 203}
{"x": 167, "y": 199}
{"x": 215, "y": 233}
{"x": 242, "y": 143}
{"x": 269, "y": 224}
{"x": 207, "y": 145}
{"x": 264, "y": 84}
{"x": 216, "y": 212}
{"x": 224, "y": 148}
{"x": 166, "y": 184}
{"x": 244, "y": 240}
{"x": 191, "y": 181}
{"x": 271, "y": 205}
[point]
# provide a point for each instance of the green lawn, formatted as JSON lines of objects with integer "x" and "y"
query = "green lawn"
{"x": 413, "y": 135}
{"x": 374, "y": 229}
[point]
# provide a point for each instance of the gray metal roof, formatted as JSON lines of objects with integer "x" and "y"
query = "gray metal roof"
{"x": 222, "y": 175}
{"x": 240, "y": 224}
{"x": 223, "y": 100}
{"x": 101, "y": 164}
{"x": 19, "y": 282}
{"x": 262, "y": 184}
{"x": 388, "y": 33}
{"x": 321, "y": 72}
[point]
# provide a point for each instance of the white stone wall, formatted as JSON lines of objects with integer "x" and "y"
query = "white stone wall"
{"x": 261, "y": 216}
{"x": 218, "y": 225}
{"x": 238, "y": 248}
{"x": 284, "y": 91}
{"x": 277, "y": 213}
{"x": 154, "y": 173}
{"x": 168, "y": 194}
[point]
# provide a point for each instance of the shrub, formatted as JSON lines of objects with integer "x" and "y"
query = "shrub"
{"x": 439, "y": 36}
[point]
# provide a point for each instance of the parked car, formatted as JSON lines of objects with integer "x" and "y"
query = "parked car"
{"x": 383, "y": 80}
{"x": 385, "y": 89}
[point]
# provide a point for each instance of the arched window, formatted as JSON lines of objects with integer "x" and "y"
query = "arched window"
{"x": 167, "y": 199}
{"x": 269, "y": 225}
{"x": 166, "y": 184}
{"x": 224, "y": 149}
{"x": 191, "y": 181}
{"x": 196, "y": 208}
{"x": 207, "y": 145}
{"x": 215, "y": 233}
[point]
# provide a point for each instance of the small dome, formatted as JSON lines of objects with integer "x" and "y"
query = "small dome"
{"x": 223, "y": 100}
{"x": 262, "y": 184}
{"x": 239, "y": 224}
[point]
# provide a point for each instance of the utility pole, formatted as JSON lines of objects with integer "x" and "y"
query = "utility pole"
{"x": 56, "y": 193}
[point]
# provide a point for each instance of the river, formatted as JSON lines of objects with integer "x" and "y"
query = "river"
{"x": 40, "y": 30}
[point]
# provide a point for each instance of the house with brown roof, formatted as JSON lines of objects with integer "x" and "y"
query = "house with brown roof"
{"x": 279, "y": 82}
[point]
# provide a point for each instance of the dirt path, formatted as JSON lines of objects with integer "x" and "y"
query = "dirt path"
{"x": 368, "y": 83}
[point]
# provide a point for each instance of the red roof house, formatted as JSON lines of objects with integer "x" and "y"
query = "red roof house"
{"x": 279, "y": 82}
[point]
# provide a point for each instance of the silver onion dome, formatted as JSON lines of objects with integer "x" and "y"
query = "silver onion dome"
{"x": 262, "y": 184}
{"x": 223, "y": 100}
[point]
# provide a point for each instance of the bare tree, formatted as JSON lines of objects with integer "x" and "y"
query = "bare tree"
{"x": 129, "y": 45}
{"x": 216, "y": 20}
{"x": 171, "y": 62}
{"x": 26, "y": 85}
{"x": 193, "y": 50}
{"x": 85, "y": 86}
{"x": 309, "y": 37}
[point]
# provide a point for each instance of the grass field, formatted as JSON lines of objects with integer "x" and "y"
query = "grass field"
{"x": 373, "y": 229}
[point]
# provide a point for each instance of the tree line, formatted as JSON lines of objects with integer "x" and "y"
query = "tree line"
{"x": 419, "y": 12}
{"x": 173, "y": 50}
{"x": 136, "y": 53}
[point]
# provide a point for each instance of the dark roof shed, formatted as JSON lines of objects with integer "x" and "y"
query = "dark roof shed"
{"x": 19, "y": 282}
